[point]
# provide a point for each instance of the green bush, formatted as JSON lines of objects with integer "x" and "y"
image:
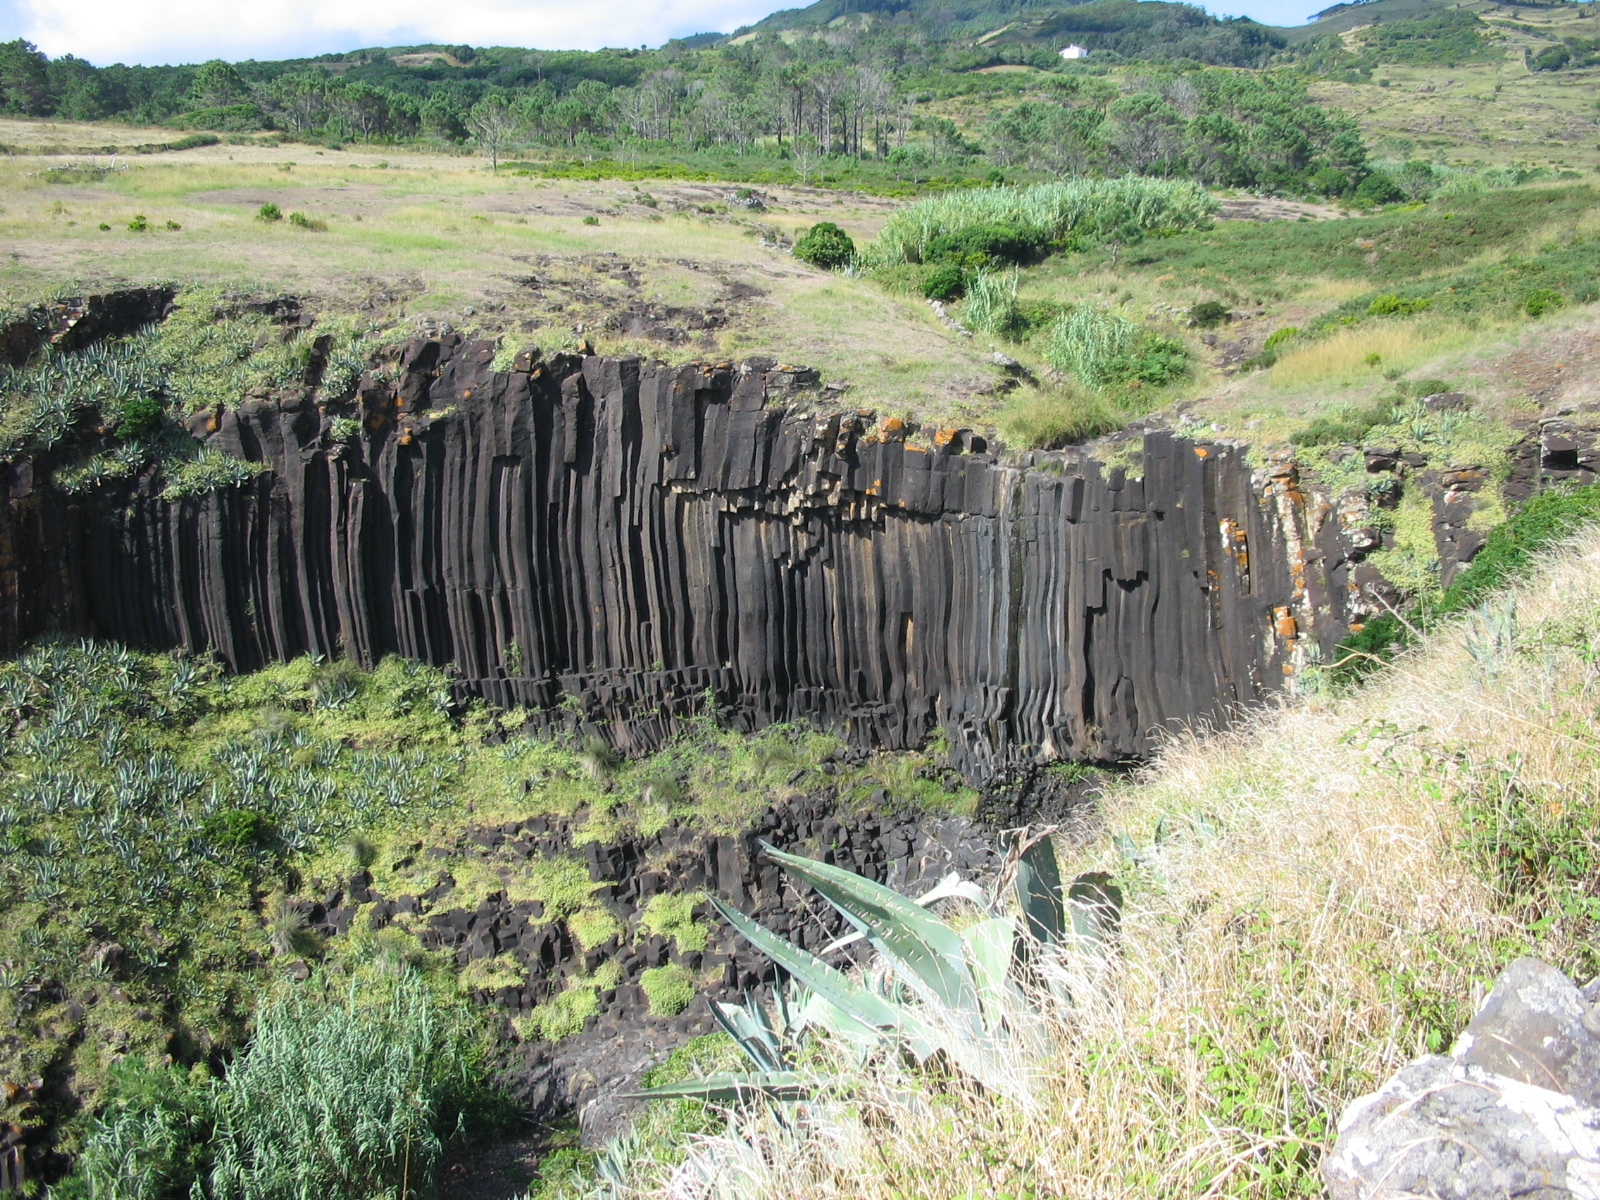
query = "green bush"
{"x": 1391, "y": 305}
{"x": 825, "y": 245}
{"x": 1081, "y": 211}
{"x": 1507, "y": 555}
{"x": 1350, "y": 425}
{"x": 945, "y": 282}
{"x": 138, "y": 415}
{"x": 1279, "y": 336}
{"x": 240, "y": 830}
{"x": 1542, "y": 300}
{"x": 591, "y": 220}
{"x": 1330, "y": 181}
{"x": 670, "y": 989}
{"x": 1378, "y": 189}
{"x": 139, "y": 224}
{"x": 991, "y": 305}
{"x": 269, "y": 213}
{"x": 1209, "y": 313}
{"x": 984, "y": 245}
{"x": 300, "y": 221}
{"x": 1551, "y": 58}
{"x": 150, "y": 1139}
{"x": 339, "y": 1095}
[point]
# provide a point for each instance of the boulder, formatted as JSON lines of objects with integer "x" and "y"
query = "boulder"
{"x": 1510, "y": 1112}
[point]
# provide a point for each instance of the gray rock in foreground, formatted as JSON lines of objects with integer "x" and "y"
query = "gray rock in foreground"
{"x": 1510, "y": 1113}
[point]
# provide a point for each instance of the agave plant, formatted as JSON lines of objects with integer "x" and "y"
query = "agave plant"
{"x": 936, "y": 988}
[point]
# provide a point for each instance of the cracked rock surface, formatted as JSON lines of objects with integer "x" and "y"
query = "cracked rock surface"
{"x": 1510, "y": 1112}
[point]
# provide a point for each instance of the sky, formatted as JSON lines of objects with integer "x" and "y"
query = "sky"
{"x": 186, "y": 31}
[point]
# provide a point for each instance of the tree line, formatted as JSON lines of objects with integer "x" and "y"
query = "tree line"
{"x": 858, "y": 94}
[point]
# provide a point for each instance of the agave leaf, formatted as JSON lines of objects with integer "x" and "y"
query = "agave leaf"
{"x": 729, "y": 1086}
{"x": 1039, "y": 891}
{"x": 990, "y": 947}
{"x": 857, "y": 1002}
{"x": 747, "y": 1031}
{"x": 928, "y": 950}
{"x": 818, "y": 1013}
{"x": 1096, "y": 906}
{"x": 952, "y": 886}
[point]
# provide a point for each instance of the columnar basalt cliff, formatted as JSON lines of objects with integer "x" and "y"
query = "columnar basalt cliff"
{"x": 610, "y": 540}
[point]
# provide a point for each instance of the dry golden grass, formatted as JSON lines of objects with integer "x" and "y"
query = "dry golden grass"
{"x": 1345, "y": 357}
{"x": 1312, "y": 901}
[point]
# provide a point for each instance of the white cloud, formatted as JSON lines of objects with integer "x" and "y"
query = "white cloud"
{"x": 107, "y": 31}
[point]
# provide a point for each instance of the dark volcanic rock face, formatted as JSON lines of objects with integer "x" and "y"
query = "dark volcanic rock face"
{"x": 641, "y": 537}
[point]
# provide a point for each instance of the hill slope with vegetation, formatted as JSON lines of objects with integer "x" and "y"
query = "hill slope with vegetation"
{"x": 1297, "y": 238}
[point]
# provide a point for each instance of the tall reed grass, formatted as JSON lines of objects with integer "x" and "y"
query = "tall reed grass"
{"x": 991, "y": 303}
{"x": 1050, "y": 212}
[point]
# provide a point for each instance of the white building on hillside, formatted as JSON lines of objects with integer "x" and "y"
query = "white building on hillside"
{"x": 1074, "y": 52}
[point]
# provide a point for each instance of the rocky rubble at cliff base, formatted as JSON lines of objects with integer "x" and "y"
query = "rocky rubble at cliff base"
{"x": 907, "y": 849}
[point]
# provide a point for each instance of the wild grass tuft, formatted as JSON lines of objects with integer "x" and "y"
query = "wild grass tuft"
{"x": 1049, "y": 213}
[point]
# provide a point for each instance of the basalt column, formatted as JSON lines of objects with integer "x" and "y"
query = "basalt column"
{"x": 637, "y": 536}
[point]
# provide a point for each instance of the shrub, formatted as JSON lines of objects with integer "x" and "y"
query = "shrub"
{"x": 671, "y": 915}
{"x": 560, "y": 1016}
{"x": 341, "y": 1096}
{"x": 1417, "y": 180}
{"x": 300, "y": 221}
{"x": 139, "y": 415}
{"x": 1330, "y": 181}
{"x": 238, "y": 829}
{"x": 139, "y": 223}
{"x": 1101, "y": 348}
{"x": 149, "y": 1141}
{"x": 173, "y": 226}
{"x": 991, "y": 305}
{"x": 1551, "y": 58}
{"x": 1542, "y": 300}
{"x": 1391, "y": 305}
{"x": 983, "y": 245}
{"x": 1209, "y": 313}
{"x": 945, "y": 282}
{"x": 1279, "y": 336}
{"x": 269, "y": 213}
{"x": 1378, "y": 189}
{"x": 1349, "y": 425}
{"x": 591, "y": 220}
{"x": 1428, "y": 385}
{"x": 1507, "y": 555}
{"x": 208, "y": 471}
{"x": 825, "y": 245}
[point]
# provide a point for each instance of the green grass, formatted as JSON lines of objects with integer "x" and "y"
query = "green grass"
{"x": 1049, "y": 214}
{"x": 1242, "y": 260}
{"x": 206, "y": 804}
